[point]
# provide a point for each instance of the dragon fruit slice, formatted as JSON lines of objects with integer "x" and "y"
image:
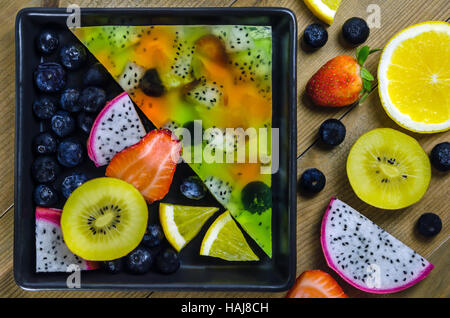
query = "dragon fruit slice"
{"x": 117, "y": 127}
{"x": 52, "y": 254}
{"x": 365, "y": 255}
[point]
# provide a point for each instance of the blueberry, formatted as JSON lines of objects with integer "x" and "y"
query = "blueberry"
{"x": 155, "y": 250}
{"x": 193, "y": 188}
{"x": 429, "y": 224}
{"x": 114, "y": 266}
{"x": 45, "y": 169}
{"x": 355, "y": 30}
{"x": 153, "y": 236}
{"x": 71, "y": 182}
{"x": 332, "y": 132}
{"x": 167, "y": 261}
{"x": 73, "y": 56}
{"x": 62, "y": 123}
{"x": 85, "y": 122}
{"x": 50, "y": 77}
{"x": 70, "y": 153}
{"x": 256, "y": 197}
{"x": 315, "y": 35}
{"x": 139, "y": 261}
{"x": 69, "y": 100}
{"x": 96, "y": 75}
{"x": 44, "y": 195}
{"x": 47, "y": 42}
{"x": 45, "y": 107}
{"x": 312, "y": 181}
{"x": 151, "y": 84}
{"x": 440, "y": 156}
{"x": 44, "y": 143}
{"x": 92, "y": 99}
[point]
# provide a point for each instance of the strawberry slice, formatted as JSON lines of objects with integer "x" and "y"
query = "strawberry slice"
{"x": 316, "y": 284}
{"x": 149, "y": 165}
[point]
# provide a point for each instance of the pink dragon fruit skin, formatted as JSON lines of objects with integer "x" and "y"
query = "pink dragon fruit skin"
{"x": 125, "y": 120}
{"x": 49, "y": 220}
{"x": 332, "y": 256}
{"x": 49, "y": 214}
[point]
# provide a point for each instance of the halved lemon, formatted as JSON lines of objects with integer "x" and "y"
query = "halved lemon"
{"x": 325, "y": 10}
{"x": 414, "y": 77}
{"x": 224, "y": 240}
{"x": 182, "y": 223}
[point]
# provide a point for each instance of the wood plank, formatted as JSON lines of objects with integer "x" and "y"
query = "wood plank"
{"x": 310, "y": 117}
{"x": 8, "y": 287}
{"x": 50, "y": 3}
{"x": 7, "y": 99}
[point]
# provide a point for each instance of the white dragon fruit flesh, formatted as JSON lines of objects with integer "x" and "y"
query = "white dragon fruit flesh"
{"x": 205, "y": 94}
{"x": 131, "y": 77}
{"x": 220, "y": 189}
{"x": 52, "y": 254}
{"x": 117, "y": 127}
{"x": 236, "y": 37}
{"x": 365, "y": 255}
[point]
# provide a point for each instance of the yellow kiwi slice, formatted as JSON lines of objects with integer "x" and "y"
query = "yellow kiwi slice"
{"x": 388, "y": 169}
{"x": 104, "y": 219}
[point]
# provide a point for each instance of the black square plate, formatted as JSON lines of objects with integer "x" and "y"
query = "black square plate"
{"x": 196, "y": 272}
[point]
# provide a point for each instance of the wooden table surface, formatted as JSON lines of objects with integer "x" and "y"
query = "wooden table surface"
{"x": 395, "y": 16}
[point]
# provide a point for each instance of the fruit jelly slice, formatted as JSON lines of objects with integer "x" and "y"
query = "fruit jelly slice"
{"x": 239, "y": 114}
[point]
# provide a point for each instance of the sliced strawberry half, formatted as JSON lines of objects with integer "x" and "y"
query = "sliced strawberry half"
{"x": 316, "y": 284}
{"x": 149, "y": 165}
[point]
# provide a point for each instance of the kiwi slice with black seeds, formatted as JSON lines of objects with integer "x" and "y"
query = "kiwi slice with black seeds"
{"x": 104, "y": 219}
{"x": 388, "y": 169}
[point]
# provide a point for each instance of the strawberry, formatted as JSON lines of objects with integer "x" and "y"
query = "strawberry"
{"x": 341, "y": 81}
{"x": 149, "y": 165}
{"x": 316, "y": 284}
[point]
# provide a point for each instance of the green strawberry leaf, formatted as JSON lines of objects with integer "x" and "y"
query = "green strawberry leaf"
{"x": 362, "y": 54}
{"x": 363, "y": 97}
{"x": 367, "y": 85}
{"x": 365, "y": 74}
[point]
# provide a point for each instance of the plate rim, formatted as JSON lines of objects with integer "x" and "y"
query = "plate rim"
{"x": 292, "y": 156}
